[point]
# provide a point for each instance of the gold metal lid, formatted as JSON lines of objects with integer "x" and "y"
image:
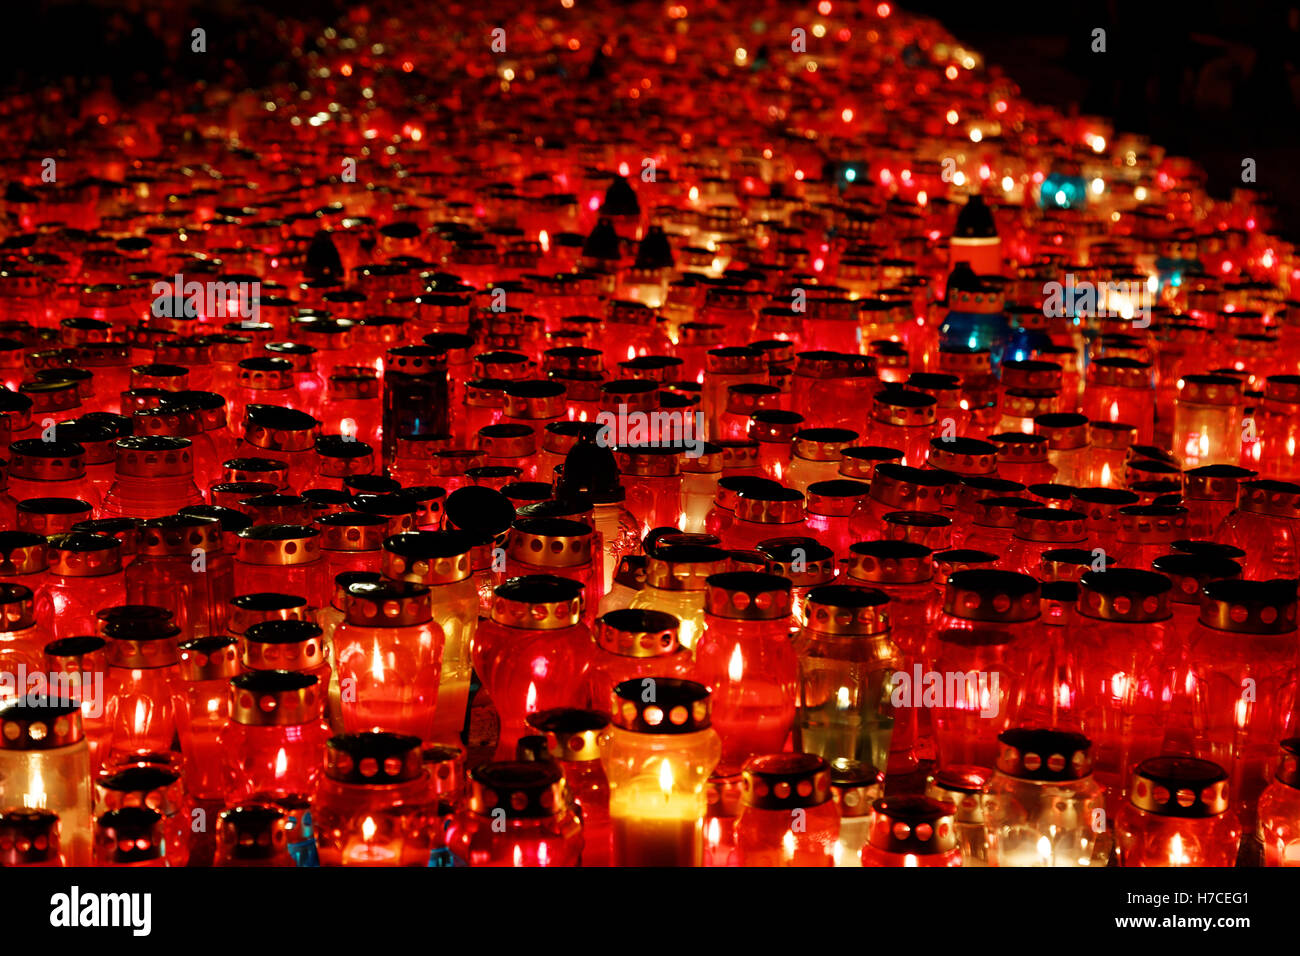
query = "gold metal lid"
{"x": 1064, "y": 431}
{"x": 29, "y": 837}
{"x": 846, "y": 610}
{"x": 352, "y": 531}
{"x": 904, "y": 407}
{"x": 913, "y": 824}
{"x": 388, "y": 604}
{"x": 1179, "y": 787}
{"x": 1048, "y": 756}
{"x": 550, "y": 542}
{"x": 279, "y": 428}
{"x": 282, "y": 645}
{"x": 890, "y": 562}
{"x": 179, "y": 535}
{"x": 963, "y": 456}
{"x": 39, "y": 723}
{"x": 523, "y": 790}
{"x": 248, "y": 609}
{"x": 32, "y": 459}
{"x": 430, "y": 557}
{"x": 904, "y": 488}
{"x": 1249, "y": 607}
{"x": 1051, "y": 525}
{"x": 769, "y": 504}
{"x": 1210, "y": 389}
{"x": 661, "y": 705}
{"x": 1280, "y": 499}
{"x": 1191, "y": 572}
{"x": 633, "y": 632}
{"x": 537, "y": 602}
{"x": 861, "y": 461}
{"x": 747, "y": 596}
{"x": 991, "y": 595}
{"x": 209, "y": 658}
{"x": 77, "y": 555}
{"x": 279, "y": 545}
{"x": 571, "y": 734}
{"x": 786, "y": 781}
{"x": 683, "y": 567}
{"x": 855, "y": 786}
{"x": 275, "y": 698}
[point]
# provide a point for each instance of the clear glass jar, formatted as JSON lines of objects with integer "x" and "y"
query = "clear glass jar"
{"x": 518, "y": 814}
{"x": 443, "y": 562}
{"x": 1041, "y": 807}
{"x": 22, "y": 640}
{"x": 772, "y": 431}
{"x": 45, "y": 765}
{"x": 1266, "y": 525}
{"x": 1177, "y": 815}
{"x": 372, "y": 805}
{"x": 1279, "y": 809}
{"x": 912, "y": 830}
{"x": 855, "y": 787}
{"x": 658, "y": 755}
{"x": 964, "y": 787}
{"x": 1207, "y": 421}
{"x": 846, "y": 666}
{"x": 675, "y": 583}
{"x": 533, "y": 652}
{"x": 83, "y": 661}
{"x": 389, "y": 652}
{"x": 573, "y": 741}
{"x": 748, "y": 660}
{"x": 1277, "y": 421}
{"x": 1242, "y": 670}
{"x": 274, "y": 743}
{"x": 1119, "y": 389}
{"x": 787, "y": 816}
{"x": 700, "y": 474}
{"x": 416, "y": 395}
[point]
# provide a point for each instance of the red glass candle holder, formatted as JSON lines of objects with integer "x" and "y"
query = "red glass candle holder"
{"x": 912, "y": 830}
{"x": 746, "y": 657}
{"x": 535, "y": 825}
{"x": 202, "y": 710}
{"x": 533, "y": 652}
{"x": 1177, "y": 815}
{"x": 1279, "y": 810}
{"x": 275, "y": 739}
{"x": 572, "y": 740}
{"x": 787, "y": 816}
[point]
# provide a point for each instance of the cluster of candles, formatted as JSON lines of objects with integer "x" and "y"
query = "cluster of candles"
{"x": 816, "y": 453}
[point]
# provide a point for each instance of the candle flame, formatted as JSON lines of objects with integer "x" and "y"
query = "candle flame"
{"x": 787, "y": 844}
{"x": 713, "y": 832}
{"x": 544, "y": 238}
{"x": 141, "y": 714}
{"x": 368, "y": 828}
{"x": 666, "y": 778}
{"x": 1114, "y": 411}
{"x": 376, "y": 663}
{"x": 842, "y": 697}
{"x": 1105, "y": 474}
{"x": 530, "y": 701}
{"x": 1176, "y": 855}
{"x": 1045, "y": 849}
{"x": 281, "y": 763}
{"x": 631, "y": 353}
{"x": 736, "y": 666}
{"x": 36, "y": 797}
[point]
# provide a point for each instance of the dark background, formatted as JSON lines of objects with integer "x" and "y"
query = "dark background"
{"x": 1217, "y": 81}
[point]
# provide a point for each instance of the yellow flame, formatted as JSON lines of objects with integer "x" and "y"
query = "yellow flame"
{"x": 281, "y": 763}
{"x": 141, "y": 713}
{"x": 368, "y": 829}
{"x": 544, "y": 239}
{"x": 1176, "y": 854}
{"x": 36, "y": 796}
{"x": 1114, "y": 411}
{"x": 1045, "y": 849}
{"x": 666, "y": 778}
{"x": 787, "y": 844}
{"x": 376, "y": 663}
{"x": 1105, "y": 474}
{"x": 842, "y": 697}
{"x": 530, "y": 701}
{"x": 736, "y": 666}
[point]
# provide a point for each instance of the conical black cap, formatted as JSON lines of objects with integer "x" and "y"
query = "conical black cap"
{"x": 975, "y": 221}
